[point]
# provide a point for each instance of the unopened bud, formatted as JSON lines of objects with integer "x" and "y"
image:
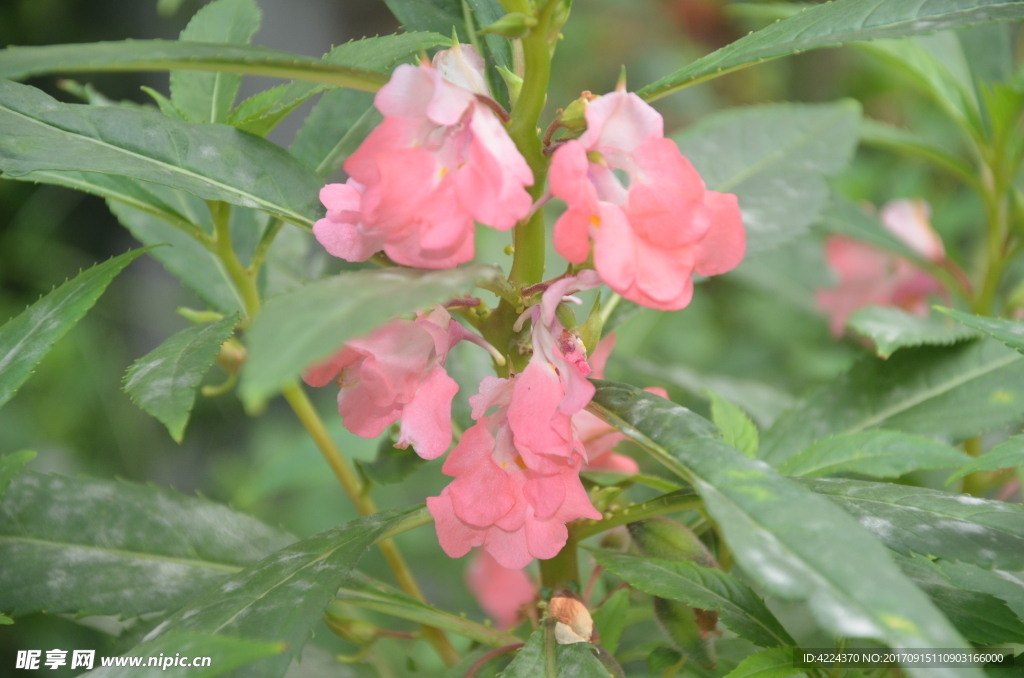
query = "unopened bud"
{"x": 352, "y": 630}
{"x": 513, "y": 82}
{"x": 513, "y": 25}
{"x": 669, "y": 539}
{"x": 574, "y": 117}
{"x": 573, "y": 623}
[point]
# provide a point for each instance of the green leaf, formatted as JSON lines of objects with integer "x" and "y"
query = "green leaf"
{"x": 11, "y": 465}
{"x": 164, "y": 381}
{"x": 1010, "y": 332}
{"x": 391, "y": 465}
{"x": 775, "y": 158}
{"x": 988, "y": 49}
{"x": 929, "y": 522}
{"x": 833, "y": 24}
{"x": 226, "y": 653}
{"x": 1007, "y": 454}
{"x": 439, "y": 16}
{"x": 980, "y": 617}
{"x": 610, "y": 620}
{"x": 297, "y": 329}
{"x": 776, "y": 662}
{"x": 898, "y": 140}
{"x": 25, "y": 339}
{"x": 705, "y": 588}
{"x": 737, "y": 429}
{"x": 878, "y": 453}
{"x": 208, "y": 97}
{"x": 18, "y": 63}
{"x": 570, "y": 661}
{"x": 334, "y": 129}
{"x": 892, "y": 328}
{"x": 957, "y": 391}
{"x": 85, "y": 546}
{"x": 261, "y": 112}
{"x": 788, "y": 540}
{"x": 283, "y": 596}
{"x": 5, "y": 620}
{"x": 1008, "y": 586}
{"x": 213, "y": 162}
{"x": 845, "y": 218}
{"x": 369, "y": 594}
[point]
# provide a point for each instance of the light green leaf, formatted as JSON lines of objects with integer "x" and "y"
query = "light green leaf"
{"x": 1010, "y": 332}
{"x": 705, "y": 588}
{"x": 164, "y": 381}
{"x": 1008, "y": 586}
{"x": 5, "y": 620}
{"x": 956, "y": 391}
{"x": 791, "y": 542}
{"x": 980, "y": 617}
{"x": 832, "y": 24}
{"x": 737, "y": 429}
{"x": 775, "y": 158}
{"x": 11, "y": 465}
{"x": 906, "y": 142}
{"x": 610, "y": 619}
{"x": 25, "y": 339}
{"x": 776, "y": 662}
{"x": 226, "y": 654}
{"x": 764, "y": 403}
{"x": 933, "y": 523}
{"x": 261, "y": 112}
{"x": 18, "y": 63}
{"x": 892, "y": 328}
{"x": 1007, "y": 454}
{"x": 84, "y": 546}
{"x": 168, "y": 7}
{"x": 879, "y": 454}
{"x": 208, "y": 97}
{"x": 283, "y": 596}
{"x": 297, "y": 329}
{"x": 334, "y": 129}
{"x": 213, "y": 162}
{"x": 362, "y": 591}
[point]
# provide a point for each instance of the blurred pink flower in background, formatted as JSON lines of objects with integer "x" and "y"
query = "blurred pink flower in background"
{"x": 500, "y": 591}
{"x": 440, "y": 161}
{"x": 645, "y": 207}
{"x": 872, "y": 276}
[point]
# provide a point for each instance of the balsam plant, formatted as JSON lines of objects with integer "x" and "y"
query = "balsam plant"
{"x": 753, "y": 536}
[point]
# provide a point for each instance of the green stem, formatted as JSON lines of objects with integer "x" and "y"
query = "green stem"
{"x": 244, "y": 283}
{"x": 266, "y": 240}
{"x": 563, "y": 568}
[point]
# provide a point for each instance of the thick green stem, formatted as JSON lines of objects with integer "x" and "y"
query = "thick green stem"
{"x": 561, "y": 569}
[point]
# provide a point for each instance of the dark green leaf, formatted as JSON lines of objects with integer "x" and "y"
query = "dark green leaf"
{"x": 776, "y": 662}
{"x": 204, "y": 96}
{"x": 367, "y": 593}
{"x": 1010, "y": 332}
{"x": 88, "y": 546}
{"x": 213, "y": 162}
{"x": 11, "y": 465}
{"x": 18, "y": 63}
{"x": 282, "y": 597}
{"x": 1007, "y": 454}
{"x": 25, "y": 339}
{"x": 706, "y": 588}
{"x": 879, "y": 454}
{"x": 610, "y": 620}
{"x": 989, "y": 52}
{"x": 5, "y": 620}
{"x": 737, "y": 429}
{"x": 164, "y": 381}
{"x": 1008, "y": 586}
{"x": 570, "y": 661}
{"x": 929, "y": 522}
{"x": 392, "y": 465}
{"x": 832, "y": 24}
{"x": 791, "y": 542}
{"x": 956, "y": 391}
{"x": 775, "y": 158}
{"x": 439, "y": 16}
{"x": 892, "y": 328}
{"x": 226, "y": 653}
{"x": 261, "y": 112}
{"x": 980, "y": 617}
{"x": 334, "y": 129}
{"x": 297, "y": 329}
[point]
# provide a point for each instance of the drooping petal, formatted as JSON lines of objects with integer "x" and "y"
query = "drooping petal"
{"x": 427, "y": 418}
{"x": 723, "y": 247}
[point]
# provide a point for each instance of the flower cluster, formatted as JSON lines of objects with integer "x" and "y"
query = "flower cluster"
{"x": 639, "y": 219}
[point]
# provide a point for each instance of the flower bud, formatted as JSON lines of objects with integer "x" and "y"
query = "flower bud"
{"x": 574, "y": 117}
{"x": 513, "y": 25}
{"x": 573, "y": 623}
{"x": 669, "y": 539}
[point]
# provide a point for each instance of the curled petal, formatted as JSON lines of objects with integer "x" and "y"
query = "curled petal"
{"x": 455, "y": 537}
{"x": 427, "y": 418}
{"x": 723, "y": 247}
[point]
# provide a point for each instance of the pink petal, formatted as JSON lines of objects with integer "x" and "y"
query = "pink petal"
{"x": 345, "y": 240}
{"x": 501, "y": 592}
{"x": 463, "y": 66}
{"x": 510, "y": 549}
{"x": 340, "y": 198}
{"x": 545, "y": 538}
{"x": 666, "y": 200}
{"x": 408, "y": 93}
{"x": 545, "y": 494}
{"x": 474, "y": 448}
{"x": 600, "y": 356}
{"x": 361, "y": 416}
{"x": 324, "y": 372}
{"x": 909, "y": 221}
{"x": 481, "y": 497}
{"x": 427, "y": 418}
{"x": 455, "y": 537}
{"x": 723, "y": 247}
{"x": 396, "y": 353}
{"x": 618, "y": 122}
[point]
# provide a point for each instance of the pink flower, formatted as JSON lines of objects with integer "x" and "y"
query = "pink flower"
{"x": 908, "y": 220}
{"x": 870, "y": 276}
{"x": 501, "y": 592}
{"x": 599, "y": 438}
{"x": 397, "y": 372}
{"x": 440, "y": 161}
{"x": 654, "y": 228}
{"x": 517, "y": 469}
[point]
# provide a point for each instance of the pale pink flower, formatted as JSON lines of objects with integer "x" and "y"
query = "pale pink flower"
{"x": 871, "y": 276}
{"x": 908, "y": 220}
{"x": 397, "y": 372}
{"x": 501, "y": 592}
{"x": 440, "y": 161}
{"x": 657, "y": 228}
